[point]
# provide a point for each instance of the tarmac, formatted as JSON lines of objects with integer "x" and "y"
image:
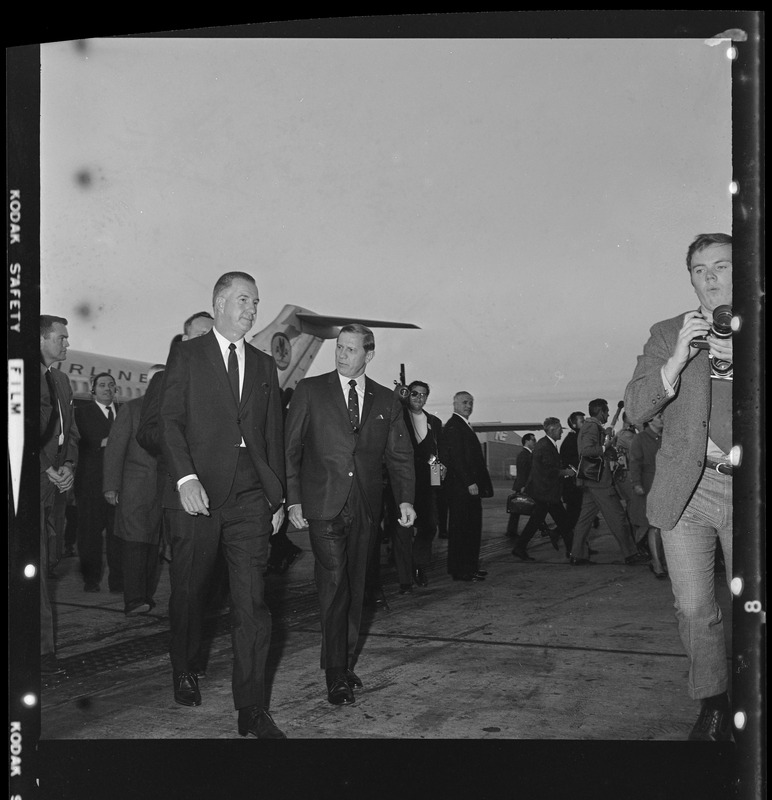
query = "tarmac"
{"x": 537, "y": 652}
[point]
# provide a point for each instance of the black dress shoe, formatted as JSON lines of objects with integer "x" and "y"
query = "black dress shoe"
{"x": 186, "y": 691}
{"x": 91, "y": 587}
{"x": 259, "y": 723}
{"x": 406, "y": 588}
{"x": 591, "y": 552}
{"x": 419, "y": 576}
{"x": 712, "y": 726}
{"x": 481, "y": 573}
{"x": 581, "y": 562}
{"x": 137, "y": 608}
{"x": 518, "y": 552}
{"x": 555, "y": 539}
{"x": 479, "y": 576}
{"x": 353, "y": 679}
{"x": 339, "y": 693}
{"x": 636, "y": 560}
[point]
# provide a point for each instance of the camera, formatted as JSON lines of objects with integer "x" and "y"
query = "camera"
{"x": 721, "y": 327}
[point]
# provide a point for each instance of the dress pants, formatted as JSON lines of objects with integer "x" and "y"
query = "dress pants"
{"x": 538, "y": 515}
{"x": 341, "y": 547}
{"x": 243, "y": 524}
{"x": 141, "y": 572}
{"x": 464, "y": 532}
{"x": 690, "y": 549}
{"x": 95, "y": 515}
{"x": 572, "y": 498}
{"x": 607, "y": 502}
{"x": 48, "y": 494}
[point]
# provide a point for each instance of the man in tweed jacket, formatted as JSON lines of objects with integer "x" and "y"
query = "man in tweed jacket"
{"x": 691, "y": 498}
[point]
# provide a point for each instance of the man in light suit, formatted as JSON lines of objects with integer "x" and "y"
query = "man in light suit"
{"x": 130, "y": 485}
{"x": 222, "y": 439}
{"x": 545, "y": 486}
{"x": 95, "y": 514}
{"x": 341, "y": 428}
{"x": 467, "y": 483}
{"x": 58, "y": 458}
{"x": 688, "y": 377}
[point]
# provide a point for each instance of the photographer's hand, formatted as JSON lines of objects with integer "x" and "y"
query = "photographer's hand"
{"x": 694, "y": 325}
{"x": 720, "y": 348}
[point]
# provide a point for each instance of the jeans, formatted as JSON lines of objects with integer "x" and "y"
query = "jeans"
{"x": 690, "y": 549}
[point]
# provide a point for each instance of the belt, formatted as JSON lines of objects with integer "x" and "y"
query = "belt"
{"x": 721, "y": 467}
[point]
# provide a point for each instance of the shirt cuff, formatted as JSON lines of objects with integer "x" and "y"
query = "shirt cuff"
{"x": 669, "y": 390}
{"x": 185, "y": 479}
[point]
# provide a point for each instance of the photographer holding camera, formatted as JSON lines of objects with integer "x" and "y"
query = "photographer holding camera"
{"x": 686, "y": 373}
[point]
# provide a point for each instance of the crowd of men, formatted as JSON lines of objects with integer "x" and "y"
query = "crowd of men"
{"x": 212, "y": 463}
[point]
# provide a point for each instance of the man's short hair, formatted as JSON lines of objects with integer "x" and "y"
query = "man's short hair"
{"x": 97, "y": 377}
{"x": 458, "y": 394}
{"x": 224, "y": 281}
{"x": 413, "y": 384}
{"x": 47, "y": 323}
{"x": 190, "y": 320}
{"x": 704, "y": 240}
{"x": 368, "y": 337}
{"x": 527, "y": 438}
{"x": 573, "y": 417}
{"x": 596, "y": 406}
{"x": 549, "y": 422}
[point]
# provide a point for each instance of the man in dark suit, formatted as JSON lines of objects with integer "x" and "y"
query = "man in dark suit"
{"x": 221, "y": 434}
{"x": 688, "y": 377}
{"x": 467, "y": 483}
{"x": 341, "y": 428}
{"x": 58, "y": 458}
{"x": 130, "y": 484}
{"x": 569, "y": 457}
{"x": 412, "y": 555}
{"x": 95, "y": 514}
{"x": 522, "y": 475}
{"x": 545, "y": 486}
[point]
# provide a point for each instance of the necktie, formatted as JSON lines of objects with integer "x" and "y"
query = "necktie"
{"x": 721, "y": 413}
{"x": 110, "y": 416}
{"x": 233, "y": 371}
{"x": 353, "y": 404}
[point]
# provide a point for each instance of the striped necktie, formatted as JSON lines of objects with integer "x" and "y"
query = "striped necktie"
{"x": 353, "y": 404}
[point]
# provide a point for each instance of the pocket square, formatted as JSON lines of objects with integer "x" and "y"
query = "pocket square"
{"x": 380, "y": 416}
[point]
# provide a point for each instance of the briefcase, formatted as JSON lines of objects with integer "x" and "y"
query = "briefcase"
{"x": 590, "y": 468}
{"x": 519, "y": 503}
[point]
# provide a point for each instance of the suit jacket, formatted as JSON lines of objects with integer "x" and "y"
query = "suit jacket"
{"x": 93, "y": 428}
{"x": 590, "y": 442}
{"x": 681, "y": 457}
{"x": 523, "y": 469}
{"x": 149, "y": 432}
{"x": 325, "y": 455}
{"x": 422, "y": 452}
{"x": 569, "y": 450}
{"x": 50, "y": 425}
{"x": 201, "y": 425}
{"x": 546, "y": 484}
{"x": 131, "y": 471}
{"x": 462, "y": 454}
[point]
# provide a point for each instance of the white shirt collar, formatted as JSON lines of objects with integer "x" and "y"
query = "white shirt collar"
{"x": 344, "y": 383}
{"x": 226, "y": 343}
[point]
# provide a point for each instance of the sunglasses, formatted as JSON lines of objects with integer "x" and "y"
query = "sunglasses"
{"x": 418, "y": 394}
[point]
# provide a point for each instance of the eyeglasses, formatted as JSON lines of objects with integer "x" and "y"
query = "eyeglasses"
{"x": 418, "y": 394}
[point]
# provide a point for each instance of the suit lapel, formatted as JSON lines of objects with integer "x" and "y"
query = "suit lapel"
{"x": 368, "y": 404}
{"x": 250, "y": 374}
{"x": 214, "y": 357}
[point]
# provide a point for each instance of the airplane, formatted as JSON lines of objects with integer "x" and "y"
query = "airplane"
{"x": 293, "y": 339}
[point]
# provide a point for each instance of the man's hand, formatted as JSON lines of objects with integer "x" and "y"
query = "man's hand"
{"x": 406, "y": 515}
{"x": 639, "y": 490}
{"x": 720, "y": 348}
{"x": 295, "y": 513}
{"x": 278, "y": 519}
{"x": 194, "y": 498}
{"x": 67, "y": 476}
{"x": 694, "y": 325}
{"x": 54, "y": 476}
{"x": 473, "y": 490}
{"x": 112, "y": 497}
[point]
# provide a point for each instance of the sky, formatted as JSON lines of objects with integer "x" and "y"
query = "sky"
{"x": 527, "y": 202}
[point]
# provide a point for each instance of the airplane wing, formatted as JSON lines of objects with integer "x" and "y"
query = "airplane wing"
{"x": 325, "y": 320}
